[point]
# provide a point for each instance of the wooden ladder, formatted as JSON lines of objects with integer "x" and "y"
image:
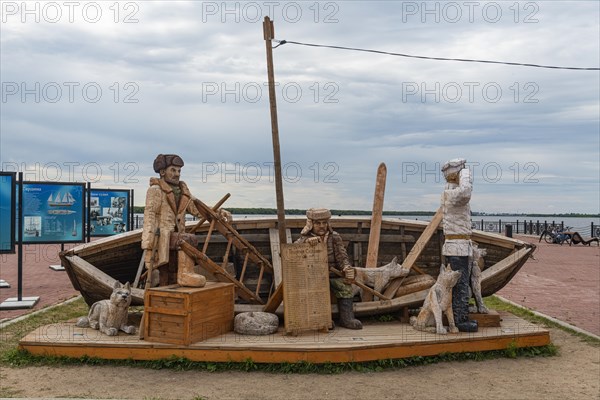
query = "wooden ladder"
{"x": 234, "y": 239}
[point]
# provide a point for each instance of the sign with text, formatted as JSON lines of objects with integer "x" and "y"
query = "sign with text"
{"x": 109, "y": 212}
{"x": 53, "y": 212}
{"x": 306, "y": 301}
{"x": 7, "y": 212}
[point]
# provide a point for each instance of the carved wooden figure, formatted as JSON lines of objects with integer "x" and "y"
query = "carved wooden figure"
{"x": 167, "y": 201}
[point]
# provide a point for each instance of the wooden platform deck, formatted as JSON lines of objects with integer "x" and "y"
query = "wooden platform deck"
{"x": 378, "y": 340}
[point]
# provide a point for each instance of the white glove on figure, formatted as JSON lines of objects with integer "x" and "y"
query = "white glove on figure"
{"x": 349, "y": 273}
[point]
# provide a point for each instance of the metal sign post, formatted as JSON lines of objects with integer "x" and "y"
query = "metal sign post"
{"x": 19, "y": 302}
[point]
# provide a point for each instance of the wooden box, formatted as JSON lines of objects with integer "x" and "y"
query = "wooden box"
{"x": 185, "y": 315}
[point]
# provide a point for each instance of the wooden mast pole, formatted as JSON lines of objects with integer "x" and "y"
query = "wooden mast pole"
{"x": 269, "y": 35}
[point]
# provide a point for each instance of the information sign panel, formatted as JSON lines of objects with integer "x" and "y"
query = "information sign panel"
{"x": 109, "y": 212}
{"x": 53, "y": 212}
{"x": 7, "y": 212}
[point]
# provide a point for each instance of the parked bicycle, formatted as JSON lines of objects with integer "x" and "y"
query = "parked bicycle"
{"x": 556, "y": 234}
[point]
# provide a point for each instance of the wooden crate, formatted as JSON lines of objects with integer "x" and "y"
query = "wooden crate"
{"x": 184, "y": 315}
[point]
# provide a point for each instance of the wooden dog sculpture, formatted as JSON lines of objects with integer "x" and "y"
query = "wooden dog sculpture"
{"x": 379, "y": 278}
{"x": 475, "y": 279}
{"x": 110, "y": 316}
{"x": 438, "y": 300}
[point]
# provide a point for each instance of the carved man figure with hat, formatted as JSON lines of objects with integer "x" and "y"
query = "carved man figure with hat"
{"x": 457, "y": 231}
{"x": 319, "y": 230}
{"x": 168, "y": 200}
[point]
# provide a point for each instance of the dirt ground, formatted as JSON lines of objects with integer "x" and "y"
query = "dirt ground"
{"x": 574, "y": 374}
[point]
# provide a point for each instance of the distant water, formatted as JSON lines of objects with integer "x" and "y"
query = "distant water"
{"x": 568, "y": 221}
{"x": 583, "y": 225}
{"x": 492, "y": 223}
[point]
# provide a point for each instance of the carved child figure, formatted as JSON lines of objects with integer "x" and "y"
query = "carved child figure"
{"x": 110, "y": 316}
{"x": 438, "y": 300}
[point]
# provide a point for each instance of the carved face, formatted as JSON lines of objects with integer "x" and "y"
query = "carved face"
{"x": 320, "y": 227}
{"x": 171, "y": 174}
{"x": 452, "y": 178}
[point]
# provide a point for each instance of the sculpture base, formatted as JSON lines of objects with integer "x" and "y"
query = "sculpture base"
{"x": 376, "y": 341}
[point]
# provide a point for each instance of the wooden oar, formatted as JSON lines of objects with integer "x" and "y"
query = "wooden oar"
{"x": 416, "y": 251}
{"x": 361, "y": 285}
{"x": 149, "y": 277}
{"x": 376, "y": 217}
{"x": 138, "y": 274}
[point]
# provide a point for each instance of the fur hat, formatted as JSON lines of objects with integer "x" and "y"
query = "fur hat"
{"x": 318, "y": 213}
{"x": 314, "y": 214}
{"x": 162, "y": 161}
{"x": 453, "y": 166}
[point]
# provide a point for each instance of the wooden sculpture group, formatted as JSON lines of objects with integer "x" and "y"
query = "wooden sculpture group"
{"x": 168, "y": 200}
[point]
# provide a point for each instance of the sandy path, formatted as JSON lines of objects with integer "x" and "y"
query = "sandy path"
{"x": 572, "y": 375}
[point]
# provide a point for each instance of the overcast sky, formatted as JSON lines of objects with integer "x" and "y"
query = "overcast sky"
{"x": 93, "y": 91}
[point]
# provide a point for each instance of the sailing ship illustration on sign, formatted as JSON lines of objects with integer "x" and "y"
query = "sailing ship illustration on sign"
{"x": 65, "y": 201}
{"x": 32, "y": 226}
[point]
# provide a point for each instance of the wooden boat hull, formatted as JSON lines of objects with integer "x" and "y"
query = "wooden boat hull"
{"x": 94, "y": 267}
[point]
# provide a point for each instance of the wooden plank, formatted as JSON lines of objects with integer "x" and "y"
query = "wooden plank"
{"x": 416, "y": 251}
{"x": 276, "y": 251}
{"x": 376, "y": 216}
{"x": 402, "y": 244}
{"x": 166, "y": 310}
{"x": 275, "y": 300}
{"x": 383, "y": 238}
{"x": 165, "y": 302}
{"x": 208, "y": 235}
{"x": 419, "y": 246}
{"x": 175, "y": 319}
{"x": 483, "y": 320}
{"x": 513, "y": 258}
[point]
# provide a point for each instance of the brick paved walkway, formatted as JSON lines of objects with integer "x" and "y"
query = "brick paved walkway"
{"x": 38, "y": 279}
{"x": 562, "y": 282}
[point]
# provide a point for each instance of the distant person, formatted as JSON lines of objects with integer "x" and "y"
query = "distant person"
{"x": 167, "y": 201}
{"x": 457, "y": 231}
{"x": 318, "y": 230}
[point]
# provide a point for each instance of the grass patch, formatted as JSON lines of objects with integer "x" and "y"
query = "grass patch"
{"x": 11, "y": 356}
{"x": 18, "y": 358}
{"x": 10, "y": 335}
